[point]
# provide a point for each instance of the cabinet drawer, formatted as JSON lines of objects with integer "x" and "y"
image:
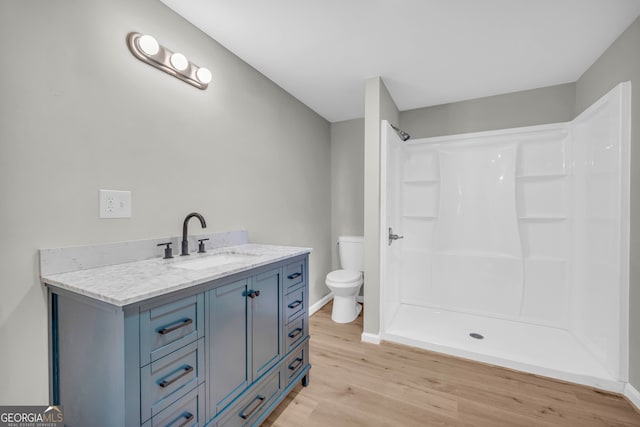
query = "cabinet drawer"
{"x": 296, "y": 362}
{"x": 188, "y": 411}
{"x": 165, "y": 380}
{"x": 294, "y": 303}
{"x": 295, "y": 333}
{"x": 293, "y": 274}
{"x": 168, "y": 327}
{"x": 253, "y": 404}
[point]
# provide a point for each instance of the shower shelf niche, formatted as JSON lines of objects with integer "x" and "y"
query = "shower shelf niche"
{"x": 420, "y": 181}
{"x": 542, "y": 218}
{"x": 544, "y": 258}
{"x": 543, "y": 176}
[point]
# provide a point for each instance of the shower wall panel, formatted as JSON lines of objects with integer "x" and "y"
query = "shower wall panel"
{"x": 601, "y": 246}
{"x": 478, "y": 256}
{"x": 418, "y": 187}
{"x": 543, "y": 198}
{"x": 393, "y": 157}
{"x": 485, "y": 224}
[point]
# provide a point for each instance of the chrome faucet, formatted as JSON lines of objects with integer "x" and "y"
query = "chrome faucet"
{"x": 185, "y": 242}
{"x": 393, "y": 236}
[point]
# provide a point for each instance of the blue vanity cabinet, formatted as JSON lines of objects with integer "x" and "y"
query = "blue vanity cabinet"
{"x": 95, "y": 364}
{"x": 296, "y": 322}
{"x": 244, "y": 335}
{"x": 128, "y": 366}
{"x": 221, "y": 353}
{"x": 227, "y": 346}
{"x": 265, "y": 321}
{"x": 277, "y": 344}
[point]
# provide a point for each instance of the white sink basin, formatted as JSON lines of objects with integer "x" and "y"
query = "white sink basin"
{"x": 212, "y": 261}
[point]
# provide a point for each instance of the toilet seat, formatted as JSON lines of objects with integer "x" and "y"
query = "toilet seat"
{"x": 344, "y": 277}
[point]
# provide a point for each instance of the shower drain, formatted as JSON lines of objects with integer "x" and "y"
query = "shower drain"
{"x": 476, "y": 336}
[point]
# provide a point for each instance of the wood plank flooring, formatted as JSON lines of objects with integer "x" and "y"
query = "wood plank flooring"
{"x": 359, "y": 384}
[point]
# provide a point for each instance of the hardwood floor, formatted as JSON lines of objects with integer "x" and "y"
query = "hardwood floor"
{"x": 359, "y": 384}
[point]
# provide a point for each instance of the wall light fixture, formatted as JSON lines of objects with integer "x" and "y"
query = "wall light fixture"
{"x": 146, "y": 49}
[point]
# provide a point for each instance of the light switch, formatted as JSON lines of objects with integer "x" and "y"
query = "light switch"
{"x": 115, "y": 204}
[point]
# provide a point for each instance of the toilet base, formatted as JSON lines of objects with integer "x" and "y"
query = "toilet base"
{"x": 345, "y": 309}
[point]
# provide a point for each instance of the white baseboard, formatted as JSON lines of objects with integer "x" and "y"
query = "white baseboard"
{"x": 360, "y": 299}
{"x": 370, "y": 338}
{"x": 633, "y": 395}
{"x": 321, "y": 303}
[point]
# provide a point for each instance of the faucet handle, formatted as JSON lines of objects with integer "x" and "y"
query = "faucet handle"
{"x": 167, "y": 250}
{"x": 201, "y": 246}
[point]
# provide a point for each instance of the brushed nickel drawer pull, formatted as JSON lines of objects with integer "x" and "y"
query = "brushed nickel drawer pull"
{"x": 295, "y": 332}
{"x": 295, "y": 304}
{"x": 295, "y": 364}
{"x": 180, "y": 324}
{"x": 188, "y": 417}
{"x": 185, "y": 370}
{"x": 294, "y": 275}
{"x": 246, "y": 412}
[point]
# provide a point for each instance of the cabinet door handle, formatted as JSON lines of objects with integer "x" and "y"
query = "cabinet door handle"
{"x": 188, "y": 417}
{"x": 295, "y": 304}
{"x": 295, "y": 332}
{"x": 246, "y": 412}
{"x": 185, "y": 370}
{"x": 295, "y": 364}
{"x": 176, "y": 326}
{"x": 294, "y": 275}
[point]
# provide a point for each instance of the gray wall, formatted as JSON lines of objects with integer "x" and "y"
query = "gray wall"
{"x": 378, "y": 106}
{"x": 79, "y": 113}
{"x": 347, "y": 181}
{"x": 527, "y": 108}
{"x": 619, "y": 63}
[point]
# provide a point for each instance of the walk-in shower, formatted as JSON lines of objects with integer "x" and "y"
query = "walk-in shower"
{"x": 515, "y": 248}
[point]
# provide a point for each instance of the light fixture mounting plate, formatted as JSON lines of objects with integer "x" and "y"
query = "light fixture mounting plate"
{"x": 162, "y": 61}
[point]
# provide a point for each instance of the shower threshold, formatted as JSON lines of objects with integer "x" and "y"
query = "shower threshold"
{"x": 536, "y": 349}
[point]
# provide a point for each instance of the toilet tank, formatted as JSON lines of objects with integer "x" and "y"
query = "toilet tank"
{"x": 351, "y": 250}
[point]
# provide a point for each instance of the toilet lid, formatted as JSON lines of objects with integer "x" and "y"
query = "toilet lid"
{"x": 344, "y": 276}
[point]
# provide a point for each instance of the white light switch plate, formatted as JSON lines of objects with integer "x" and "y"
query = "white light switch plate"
{"x": 115, "y": 204}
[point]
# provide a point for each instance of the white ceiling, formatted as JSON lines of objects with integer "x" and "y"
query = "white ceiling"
{"x": 428, "y": 52}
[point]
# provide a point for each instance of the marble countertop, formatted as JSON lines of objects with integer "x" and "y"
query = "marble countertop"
{"x": 132, "y": 282}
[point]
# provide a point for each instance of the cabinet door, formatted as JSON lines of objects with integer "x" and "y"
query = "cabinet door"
{"x": 265, "y": 321}
{"x": 227, "y": 347}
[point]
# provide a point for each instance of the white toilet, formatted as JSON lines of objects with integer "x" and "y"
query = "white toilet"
{"x": 345, "y": 284}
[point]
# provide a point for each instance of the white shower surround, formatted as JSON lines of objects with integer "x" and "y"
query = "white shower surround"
{"x": 521, "y": 235}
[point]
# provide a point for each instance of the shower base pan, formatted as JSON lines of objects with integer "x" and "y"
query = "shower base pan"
{"x": 536, "y": 349}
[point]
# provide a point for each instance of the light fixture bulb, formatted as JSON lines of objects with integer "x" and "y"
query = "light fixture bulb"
{"x": 204, "y": 75}
{"x": 179, "y": 61}
{"x": 148, "y": 45}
